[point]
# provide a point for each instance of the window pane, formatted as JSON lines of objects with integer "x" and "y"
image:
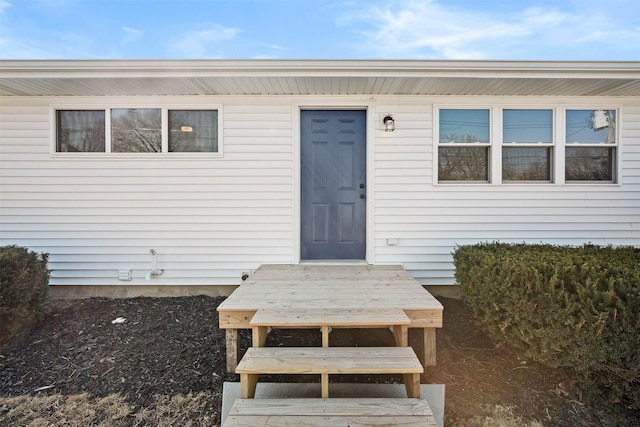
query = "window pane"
{"x": 464, "y": 126}
{"x": 136, "y": 130}
{"x": 526, "y": 163}
{"x": 463, "y": 163}
{"x": 591, "y": 127}
{"x": 527, "y": 126}
{"x": 589, "y": 164}
{"x": 80, "y": 131}
{"x": 193, "y": 131}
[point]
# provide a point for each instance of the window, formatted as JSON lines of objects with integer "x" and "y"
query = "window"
{"x": 463, "y": 145}
{"x": 193, "y": 131}
{"x": 80, "y": 131}
{"x": 527, "y": 138}
{"x": 590, "y": 145}
{"x": 138, "y": 130}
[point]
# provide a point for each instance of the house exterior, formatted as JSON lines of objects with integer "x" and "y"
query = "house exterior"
{"x": 180, "y": 176}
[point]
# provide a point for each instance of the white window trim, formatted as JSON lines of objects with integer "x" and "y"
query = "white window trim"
{"x": 164, "y": 110}
{"x": 553, "y": 144}
{"x": 436, "y": 140}
{"x": 617, "y": 170}
{"x": 558, "y": 147}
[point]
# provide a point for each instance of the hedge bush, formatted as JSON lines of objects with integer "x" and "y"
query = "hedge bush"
{"x": 576, "y": 307}
{"x": 24, "y": 285}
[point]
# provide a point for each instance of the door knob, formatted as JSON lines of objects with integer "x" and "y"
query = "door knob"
{"x": 362, "y": 196}
{"x": 361, "y": 185}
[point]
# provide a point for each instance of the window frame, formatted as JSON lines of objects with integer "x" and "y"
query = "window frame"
{"x": 550, "y": 146}
{"x": 614, "y": 148}
{"x": 488, "y": 146}
{"x": 164, "y": 111}
{"x": 558, "y": 154}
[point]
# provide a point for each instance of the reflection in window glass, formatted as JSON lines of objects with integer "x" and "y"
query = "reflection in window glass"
{"x": 81, "y": 131}
{"x": 136, "y": 130}
{"x": 464, "y": 126}
{"x": 468, "y": 160}
{"x": 523, "y": 131}
{"x": 589, "y": 164}
{"x": 193, "y": 131}
{"x": 526, "y": 164}
{"x": 463, "y": 163}
{"x": 591, "y": 127}
{"x": 527, "y": 126}
{"x": 590, "y": 151}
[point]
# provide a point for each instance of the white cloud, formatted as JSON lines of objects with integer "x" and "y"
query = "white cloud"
{"x": 429, "y": 29}
{"x": 4, "y": 5}
{"x": 204, "y": 42}
{"x": 130, "y": 34}
{"x": 436, "y": 29}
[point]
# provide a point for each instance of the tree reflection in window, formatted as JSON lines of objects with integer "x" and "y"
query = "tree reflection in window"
{"x": 527, "y": 138}
{"x": 591, "y": 145}
{"x": 463, "y": 152}
{"x": 80, "y": 131}
{"x": 136, "y": 130}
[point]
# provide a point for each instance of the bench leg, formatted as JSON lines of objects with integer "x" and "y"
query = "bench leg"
{"x": 325, "y": 336}
{"x": 248, "y": 383}
{"x": 401, "y": 335}
{"x": 324, "y": 381}
{"x": 259, "y": 336}
{"x": 412, "y": 384}
{"x": 429, "y": 345}
{"x": 233, "y": 349}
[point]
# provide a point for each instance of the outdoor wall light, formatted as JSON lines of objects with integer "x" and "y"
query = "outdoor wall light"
{"x": 388, "y": 123}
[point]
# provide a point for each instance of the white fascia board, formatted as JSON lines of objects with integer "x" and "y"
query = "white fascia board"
{"x": 353, "y": 68}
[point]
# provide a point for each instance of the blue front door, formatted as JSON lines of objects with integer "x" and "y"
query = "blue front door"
{"x": 333, "y": 187}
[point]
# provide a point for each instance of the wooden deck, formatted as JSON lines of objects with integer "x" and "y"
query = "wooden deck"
{"x": 330, "y": 287}
{"x": 314, "y": 296}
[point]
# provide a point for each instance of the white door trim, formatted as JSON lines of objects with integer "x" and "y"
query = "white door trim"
{"x": 332, "y": 103}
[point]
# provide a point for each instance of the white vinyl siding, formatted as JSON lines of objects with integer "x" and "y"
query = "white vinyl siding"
{"x": 211, "y": 218}
{"x": 426, "y": 221}
{"x": 208, "y": 219}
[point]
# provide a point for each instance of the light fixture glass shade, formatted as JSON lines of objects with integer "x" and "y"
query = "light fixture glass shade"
{"x": 388, "y": 123}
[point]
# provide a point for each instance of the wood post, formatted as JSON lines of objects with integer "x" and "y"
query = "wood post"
{"x": 429, "y": 342}
{"x": 248, "y": 383}
{"x": 412, "y": 384}
{"x": 233, "y": 349}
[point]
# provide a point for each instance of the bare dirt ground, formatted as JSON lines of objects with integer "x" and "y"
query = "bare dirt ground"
{"x": 165, "y": 364}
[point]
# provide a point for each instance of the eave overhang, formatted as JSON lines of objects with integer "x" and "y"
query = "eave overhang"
{"x": 317, "y": 77}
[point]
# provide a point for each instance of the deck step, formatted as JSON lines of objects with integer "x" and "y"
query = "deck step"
{"x": 343, "y": 317}
{"x": 329, "y": 360}
{"x": 325, "y": 319}
{"x": 330, "y": 412}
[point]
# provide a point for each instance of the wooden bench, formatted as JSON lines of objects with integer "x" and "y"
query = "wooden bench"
{"x": 329, "y": 360}
{"x": 330, "y": 412}
{"x": 325, "y": 319}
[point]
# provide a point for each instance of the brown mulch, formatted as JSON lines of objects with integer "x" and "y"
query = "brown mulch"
{"x": 172, "y": 346}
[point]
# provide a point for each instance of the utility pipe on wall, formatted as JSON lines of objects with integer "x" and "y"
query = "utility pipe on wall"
{"x": 154, "y": 272}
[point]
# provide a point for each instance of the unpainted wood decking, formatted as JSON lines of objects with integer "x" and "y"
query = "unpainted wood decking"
{"x": 326, "y": 297}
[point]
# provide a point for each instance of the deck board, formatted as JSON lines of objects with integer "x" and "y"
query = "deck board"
{"x": 350, "y": 317}
{"x": 332, "y": 360}
{"x": 330, "y": 287}
{"x": 326, "y": 286}
{"x": 330, "y": 412}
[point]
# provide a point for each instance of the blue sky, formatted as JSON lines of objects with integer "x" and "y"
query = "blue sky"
{"x": 320, "y": 29}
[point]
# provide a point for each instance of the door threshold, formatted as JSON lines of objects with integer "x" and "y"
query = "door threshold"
{"x": 334, "y": 262}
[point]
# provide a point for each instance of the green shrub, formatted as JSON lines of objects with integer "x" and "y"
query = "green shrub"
{"x": 562, "y": 306}
{"x": 24, "y": 285}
